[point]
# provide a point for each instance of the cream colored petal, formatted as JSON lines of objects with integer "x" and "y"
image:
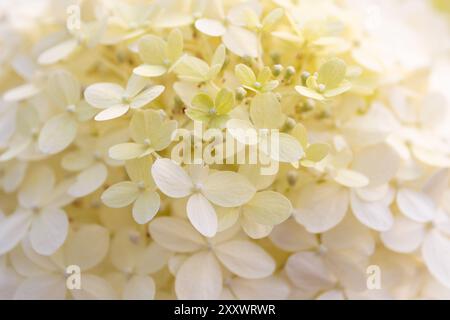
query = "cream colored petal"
{"x": 435, "y": 252}
{"x": 49, "y": 231}
{"x": 94, "y": 288}
{"x": 150, "y": 71}
{"x": 20, "y": 93}
{"x": 104, "y": 95}
{"x": 226, "y": 217}
{"x": 88, "y": 180}
{"x": 47, "y": 287}
{"x": 376, "y": 215}
{"x": 171, "y": 179}
{"x": 120, "y": 195}
{"x": 367, "y": 161}
{"x": 405, "y": 236}
{"x": 253, "y": 173}
{"x": 321, "y": 207}
{"x": 175, "y": 234}
{"x": 350, "y": 235}
{"x": 309, "y": 93}
{"x": 265, "y": 111}
{"x": 241, "y": 42}
{"x": 152, "y": 259}
{"x": 227, "y": 189}
{"x": 127, "y": 151}
{"x": 245, "y": 259}
{"x": 350, "y": 178}
{"x": 202, "y": 215}
{"x": 191, "y": 69}
{"x": 210, "y": 27}
{"x": 253, "y": 229}
{"x": 59, "y": 52}
{"x": 37, "y": 186}
{"x": 415, "y": 205}
{"x": 199, "y": 278}
{"x": 146, "y": 96}
{"x": 12, "y": 230}
{"x": 268, "y": 208}
{"x": 58, "y": 133}
{"x": 270, "y": 288}
{"x": 112, "y": 113}
{"x": 307, "y": 270}
{"x": 291, "y": 236}
{"x": 139, "y": 288}
{"x": 146, "y": 206}
{"x": 87, "y": 247}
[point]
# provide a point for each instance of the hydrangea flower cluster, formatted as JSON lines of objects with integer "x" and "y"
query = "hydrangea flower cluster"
{"x": 97, "y": 97}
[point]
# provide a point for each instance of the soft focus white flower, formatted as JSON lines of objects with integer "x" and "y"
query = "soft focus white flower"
{"x": 225, "y": 149}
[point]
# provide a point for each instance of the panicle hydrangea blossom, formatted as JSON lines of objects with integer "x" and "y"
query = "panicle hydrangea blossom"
{"x": 95, "y": 94}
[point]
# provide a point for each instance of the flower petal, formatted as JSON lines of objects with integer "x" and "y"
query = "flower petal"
{"x": 171, "y": 179}
{"x": 245, "y": 259}
{"x": 436, "y": 254}
{"x": 12, "y": 229}
{"x": 210, "y": 27}
{"x": 89, "y": 180}
{"x": 58, "y": 133}
{"x": 175, "y": 234}
{"x": 227, "y": 189}
{"x": 320, "y": 207}
{"x": 202, "y": 215}
{"x": 415, "y": 205}
{"x": 49, "y": 231}
{"x": 139, "y": 288}
{"x": 375, "y": 214}
{"x": 268, "y": 208}
{"x": 146, "y": 206}
{"x": 87, "y": 247}
{"x": 104, "y": 95}
{"x": 199, "y": 278}
{"x": 120, "y": 195}
{"x": 127, "y": 151}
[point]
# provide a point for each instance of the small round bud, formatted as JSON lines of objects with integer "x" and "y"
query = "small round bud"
{"x": 71, "y": 108}
{"x": 315, "y": 75}
{"x": 292, "y": 177}
{"x": 290, "y": 71}
{"x": 305, "y": 75}
{"x": 277, "y": 69}
{"x": 240, "y": 93}
{"x": 275, "y": 57}
{"x": 321, "y": 87}
{"x": 290, "y": 123}
{"x": 141, "y": 185}
{"x": 257, "y": 85}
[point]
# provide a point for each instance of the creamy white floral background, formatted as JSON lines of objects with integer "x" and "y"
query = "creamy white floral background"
{"x": 92, "y": 92}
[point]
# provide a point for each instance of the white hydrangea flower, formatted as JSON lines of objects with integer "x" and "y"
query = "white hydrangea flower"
{"x": 200, "y": 276}
{"x": 140, "y": 191}
{"x": 150, "y": 133}
{"x": 116, "y": 101}
{"x": 203, "y": 189}
{"x": 46, "y": 276}
{"x": 39, "y": 214}
{"x": 356, "y": 101}
{"x": 136, "y": 260}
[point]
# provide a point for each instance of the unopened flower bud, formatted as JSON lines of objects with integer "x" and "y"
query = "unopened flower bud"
{"x": 240, "y": 93}
{"x": 290, "y": 71}
{"x": 277, "y": 69}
